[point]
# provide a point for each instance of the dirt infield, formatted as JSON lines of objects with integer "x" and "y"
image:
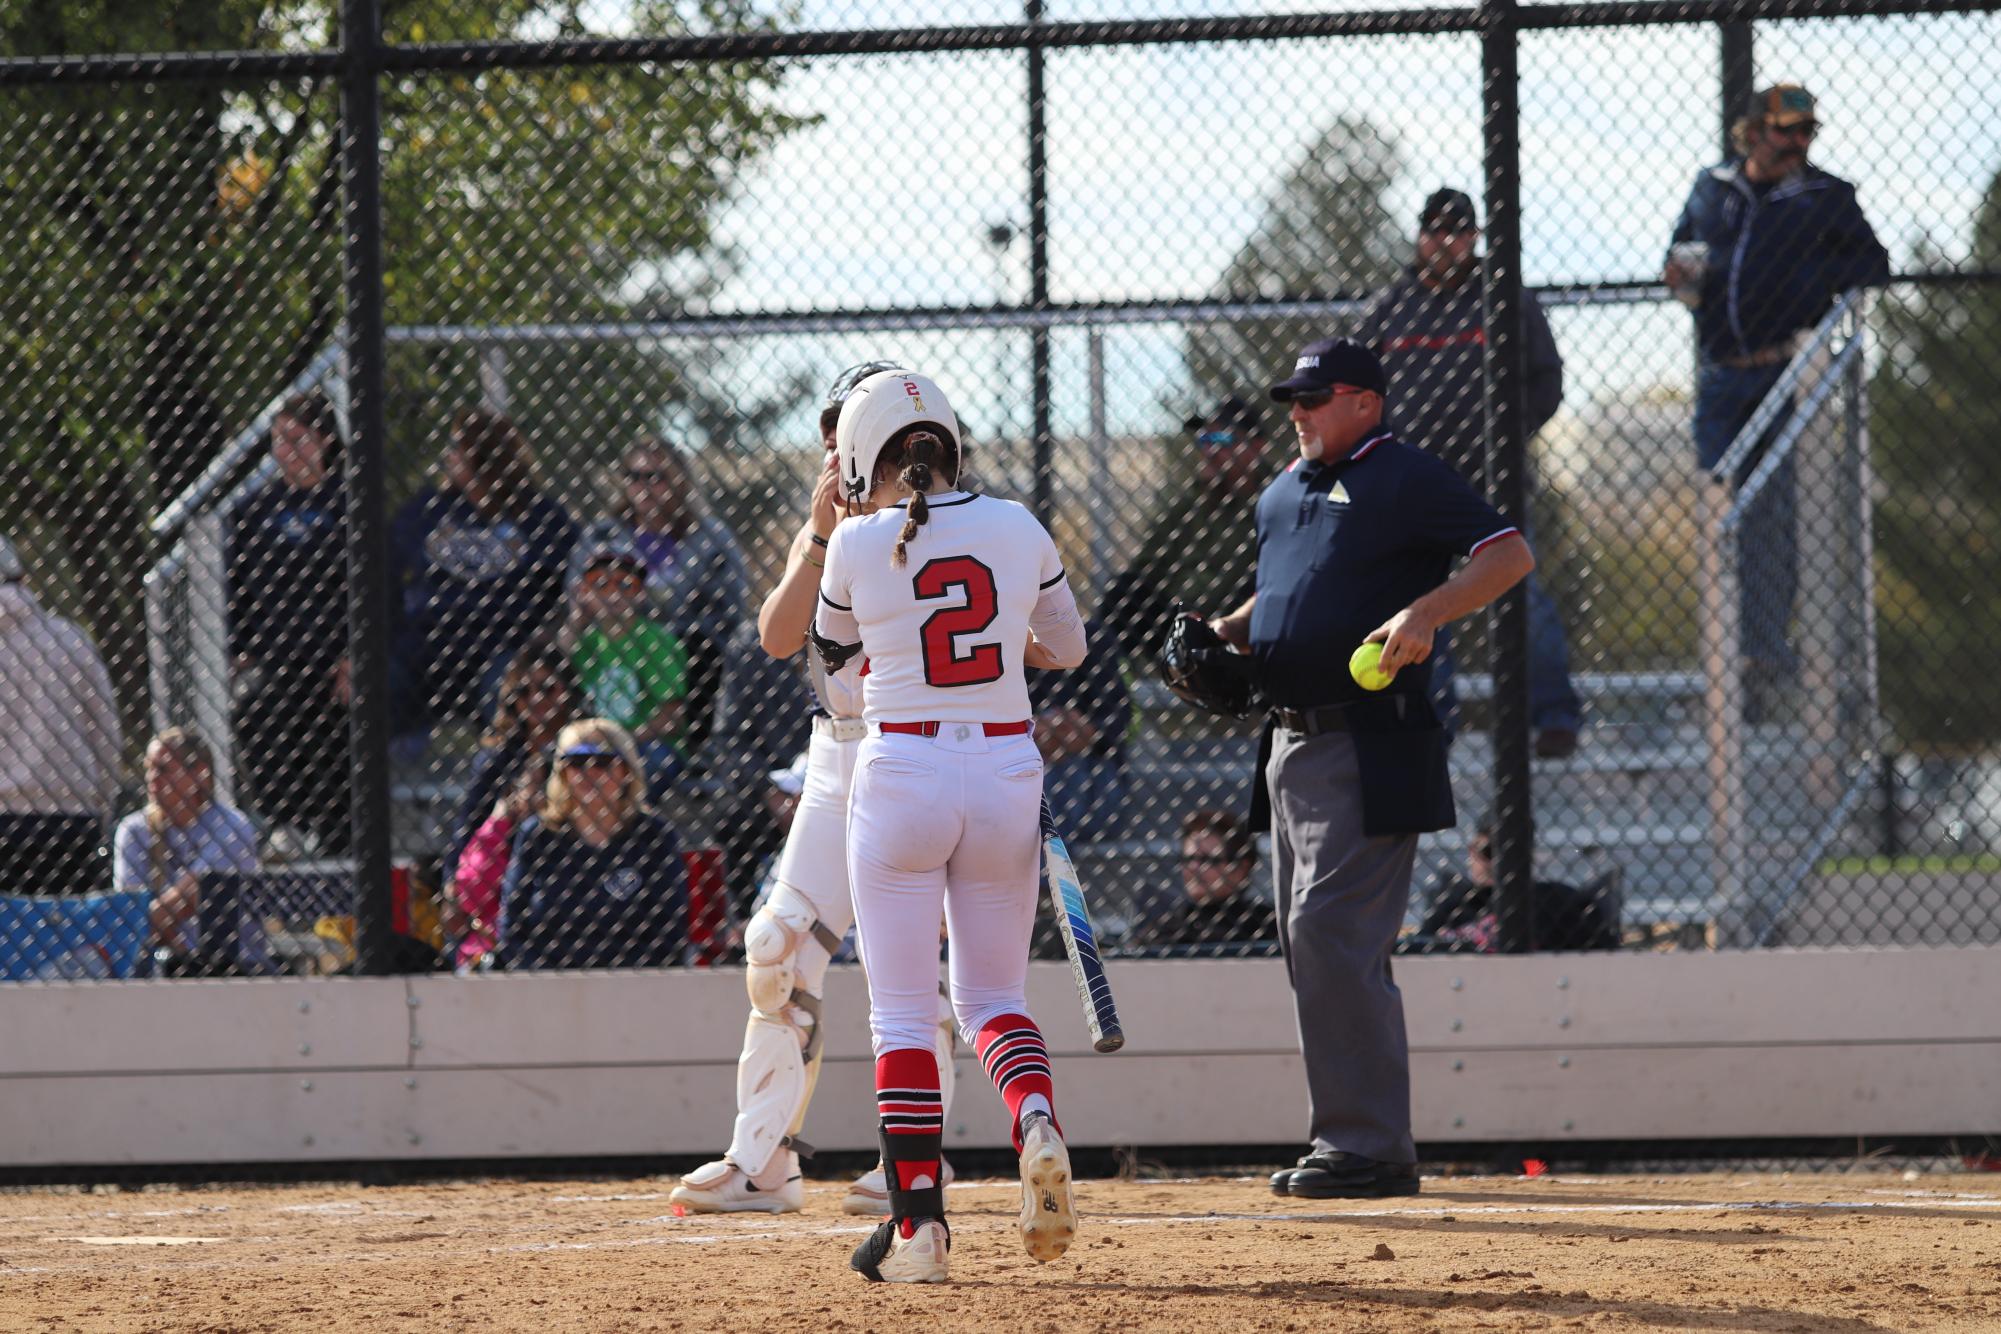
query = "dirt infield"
{"x": 1851, "y": 1252}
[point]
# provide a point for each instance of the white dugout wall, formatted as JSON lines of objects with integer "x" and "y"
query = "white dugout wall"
{"x": 1542, "y": 1048}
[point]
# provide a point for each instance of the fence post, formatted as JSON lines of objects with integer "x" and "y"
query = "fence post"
{"x": 367, "y": 545}
{"x": 1514, "y": 832}
{"x": 1042, "y": 432}
{"x": 1739, "y": 70}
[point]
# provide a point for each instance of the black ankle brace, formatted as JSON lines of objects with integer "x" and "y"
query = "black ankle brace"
{"x": 928, "y": 1202}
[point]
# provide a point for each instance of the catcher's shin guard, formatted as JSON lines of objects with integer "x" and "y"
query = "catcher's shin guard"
{"x": 786, "y": 947}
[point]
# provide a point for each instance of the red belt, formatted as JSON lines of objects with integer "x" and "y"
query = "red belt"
{"x": 931, "y": 729}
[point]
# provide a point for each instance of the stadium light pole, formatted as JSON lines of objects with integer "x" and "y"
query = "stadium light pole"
{"x": 367, "y": 545}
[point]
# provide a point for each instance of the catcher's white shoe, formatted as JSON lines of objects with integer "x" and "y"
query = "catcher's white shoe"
{"x": 890, "y": 1257}
{"x": 722, "y": 1188}
{"x": 1048, "y": 1216}
{"x": 870, "y": 1193}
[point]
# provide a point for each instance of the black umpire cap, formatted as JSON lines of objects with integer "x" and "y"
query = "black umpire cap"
{"x": 1327, "y": 363}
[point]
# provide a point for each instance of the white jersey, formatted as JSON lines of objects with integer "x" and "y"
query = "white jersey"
{"x": 945, "y": 632}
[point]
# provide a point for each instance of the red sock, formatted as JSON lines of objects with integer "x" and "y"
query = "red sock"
{"x": 912, "y": 1117}
{"x": 1015, "y": 1059}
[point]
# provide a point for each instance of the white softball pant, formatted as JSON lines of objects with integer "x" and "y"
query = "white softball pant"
{"x": 944, "y": 827}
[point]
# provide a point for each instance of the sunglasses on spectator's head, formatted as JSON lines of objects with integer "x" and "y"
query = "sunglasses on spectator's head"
{"x": 1321, "y": 399}
{"x": 588, "y": 760}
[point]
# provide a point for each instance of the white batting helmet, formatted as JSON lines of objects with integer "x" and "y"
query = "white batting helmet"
{"x": 876, "y": 410}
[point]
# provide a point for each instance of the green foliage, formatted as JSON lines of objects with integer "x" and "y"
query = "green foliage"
{"x": 1936, "y": 415}
{"x": 174, "y": 252}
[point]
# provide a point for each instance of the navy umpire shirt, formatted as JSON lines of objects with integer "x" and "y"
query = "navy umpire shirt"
{"x": 1344, "y": 546}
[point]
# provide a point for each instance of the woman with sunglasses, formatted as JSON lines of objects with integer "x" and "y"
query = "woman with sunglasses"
{"x": 596, "y": 878}
{"x": 696, "y": 580}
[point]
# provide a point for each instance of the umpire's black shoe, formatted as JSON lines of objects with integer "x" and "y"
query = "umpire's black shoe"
{"x": 1281, "y": 1179}
{"x": 1336, "y": 1176}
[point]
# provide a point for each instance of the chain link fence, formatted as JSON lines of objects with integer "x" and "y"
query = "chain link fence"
{"x": 619, "y": 253}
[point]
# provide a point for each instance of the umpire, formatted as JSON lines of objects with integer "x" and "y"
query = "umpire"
{"x": 1356, "y": 541}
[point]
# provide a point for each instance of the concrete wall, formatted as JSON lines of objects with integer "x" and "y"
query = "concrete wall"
{"x": 1806, "y": 1043}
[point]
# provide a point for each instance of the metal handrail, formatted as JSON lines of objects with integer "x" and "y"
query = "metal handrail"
{"x": 1775, "y": 400}
{"x": 1859, "y": 781}
{"x": 1789, "y": 438}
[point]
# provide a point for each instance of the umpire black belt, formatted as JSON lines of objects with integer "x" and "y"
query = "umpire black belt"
{"x": 1312, "y": 722}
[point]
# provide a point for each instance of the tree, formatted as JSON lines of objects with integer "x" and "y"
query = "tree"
{"x": 1325, "y": 234}
{"x": 173, "y": 251}
{"x": 1936, "y": 413}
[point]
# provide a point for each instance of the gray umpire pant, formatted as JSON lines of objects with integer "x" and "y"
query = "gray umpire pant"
{"x": 1341, "y": 900}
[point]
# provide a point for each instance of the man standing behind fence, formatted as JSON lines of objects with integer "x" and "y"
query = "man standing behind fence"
{"x": 1763, "y": 246}
{"x": 1430, "y": 333}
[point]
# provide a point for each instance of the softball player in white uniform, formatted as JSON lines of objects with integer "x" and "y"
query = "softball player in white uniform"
{"x": 943, "y": 589}
{"x": 792, "y": 935}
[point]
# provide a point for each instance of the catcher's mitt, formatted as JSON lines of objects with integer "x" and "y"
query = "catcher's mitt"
{"x": 1203, "y": 670}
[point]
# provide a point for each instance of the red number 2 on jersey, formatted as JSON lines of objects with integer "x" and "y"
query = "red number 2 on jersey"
{"x": 944, "y": 665}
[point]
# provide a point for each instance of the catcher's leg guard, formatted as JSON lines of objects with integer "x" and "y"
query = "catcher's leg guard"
{"x": 787, "y": 946}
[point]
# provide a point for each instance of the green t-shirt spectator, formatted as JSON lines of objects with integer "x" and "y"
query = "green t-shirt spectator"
{"x": 629, "y": 679}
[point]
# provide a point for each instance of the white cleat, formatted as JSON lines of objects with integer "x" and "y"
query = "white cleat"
{"x": 1048, "y": 1215}
{"x": 870, "y": 1194}
{"x": 722, "y": 1188}
{"x": 890, "y": 1257}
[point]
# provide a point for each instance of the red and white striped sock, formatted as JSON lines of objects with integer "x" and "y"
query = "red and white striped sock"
{"x": 912, "y": 1118}
{"x": 1013, "y": 1055}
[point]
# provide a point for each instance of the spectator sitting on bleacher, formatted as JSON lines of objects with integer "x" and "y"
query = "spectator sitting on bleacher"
{"x": 633, "y": 669}
{"x": 1080, "y": 728}
{"x": 696, "y": 579}
{"x": 478, "y": 569}
{"x": 538, "y": 698}
{"x": 59, "y": 760}
{"x": 182, "y": 834}
{"x": 1201, "y": 548}
{"x": 287, "y": 578}
{"x": 472, "y": 907}
{"x": 596, "y": 879}
{"x": 1217, "y": 907}
{"x": 1462, "y": 918}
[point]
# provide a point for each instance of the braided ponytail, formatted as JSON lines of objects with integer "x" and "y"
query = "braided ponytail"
{"x": 922, "y": 451}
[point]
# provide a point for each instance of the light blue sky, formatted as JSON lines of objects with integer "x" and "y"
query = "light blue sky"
{"x": 1161, "y": 159}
